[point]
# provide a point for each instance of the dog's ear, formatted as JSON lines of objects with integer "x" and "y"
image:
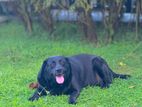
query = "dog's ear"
{"x": 40, "y": 77}
{"x": 68, "y": 61}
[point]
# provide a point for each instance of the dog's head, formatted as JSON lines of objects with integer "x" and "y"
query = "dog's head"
{"x": 54, "y": 69}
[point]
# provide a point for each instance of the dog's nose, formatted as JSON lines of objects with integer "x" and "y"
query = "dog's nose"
{"x": 59, "y": 71}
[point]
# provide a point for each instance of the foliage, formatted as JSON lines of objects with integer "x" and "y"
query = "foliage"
{"x": 112, "y": 10}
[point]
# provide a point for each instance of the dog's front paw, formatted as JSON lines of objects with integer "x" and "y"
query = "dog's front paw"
{"x": 34, "y": 97}
{"x": 104, "y": 85}
{"x": 72, "y": 101}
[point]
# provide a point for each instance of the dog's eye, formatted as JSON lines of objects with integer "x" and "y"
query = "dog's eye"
{"x": 53, "y": 64}
{"x": 62, "y": 62}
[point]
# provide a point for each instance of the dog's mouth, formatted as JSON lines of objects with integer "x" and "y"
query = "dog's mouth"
{"x": 60, "y": 79}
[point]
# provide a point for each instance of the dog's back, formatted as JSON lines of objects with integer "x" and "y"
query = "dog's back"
{"x": 82, "y": 69}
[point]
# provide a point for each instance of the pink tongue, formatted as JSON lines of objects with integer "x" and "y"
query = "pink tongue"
{"x": 60, "y": 79}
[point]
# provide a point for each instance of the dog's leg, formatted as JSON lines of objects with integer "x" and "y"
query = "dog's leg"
{"x": 73, "y": 97}
{"x": 100, "y": 66}
{"x": 75, "y": 91}
{"x": 37, "y": 94}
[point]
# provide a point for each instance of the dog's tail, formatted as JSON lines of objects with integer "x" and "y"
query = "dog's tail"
{"x": 122, "y": 76}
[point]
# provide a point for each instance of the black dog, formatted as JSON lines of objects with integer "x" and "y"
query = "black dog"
{"x": 68, "y": 75}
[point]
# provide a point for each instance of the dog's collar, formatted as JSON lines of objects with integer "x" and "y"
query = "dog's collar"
{"x": 43, "y": 89}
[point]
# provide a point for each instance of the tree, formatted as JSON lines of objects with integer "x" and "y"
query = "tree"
{"x": 21, "y": 8}
{"x": 112, "y": 11}
{"x": 85, "y": 19}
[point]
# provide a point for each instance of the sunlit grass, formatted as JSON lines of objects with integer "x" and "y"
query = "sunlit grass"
{"x": 21, "y": 56}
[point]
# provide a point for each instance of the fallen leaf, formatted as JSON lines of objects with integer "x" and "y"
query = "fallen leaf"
{"x": 33, "y": 85}
{"x": 131, "y": 87}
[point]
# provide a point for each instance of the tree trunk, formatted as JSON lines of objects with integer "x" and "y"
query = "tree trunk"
{"x": 21, "y": 9}
{"x": 87, "y": 25}
{"x": 47, "y": 20}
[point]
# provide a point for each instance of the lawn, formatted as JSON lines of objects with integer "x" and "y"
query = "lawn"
{"x": 21, "y": 56}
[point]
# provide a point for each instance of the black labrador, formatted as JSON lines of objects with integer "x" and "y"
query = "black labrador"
{"x": 68, "y": 75}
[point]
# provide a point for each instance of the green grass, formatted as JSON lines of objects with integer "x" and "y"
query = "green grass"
{"x": 21, "y": 56}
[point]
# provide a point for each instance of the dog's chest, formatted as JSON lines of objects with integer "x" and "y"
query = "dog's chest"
{"x": 59, "y": 90}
